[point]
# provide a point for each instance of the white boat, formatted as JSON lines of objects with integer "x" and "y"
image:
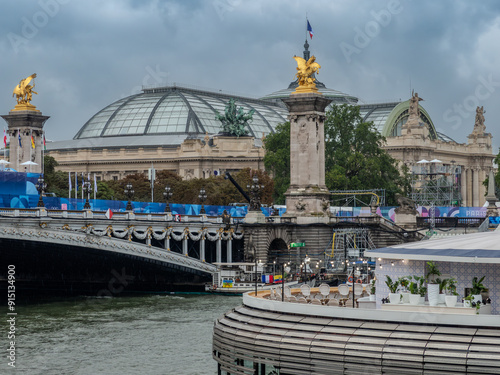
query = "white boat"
{"x": 239, "y": 278}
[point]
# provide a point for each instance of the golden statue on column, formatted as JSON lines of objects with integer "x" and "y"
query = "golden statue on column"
{"x": 305, "y": 75}
{"x": 24, "y": 93}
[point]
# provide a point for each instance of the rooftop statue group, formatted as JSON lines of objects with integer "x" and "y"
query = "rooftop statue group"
{"x": 24, "y": 91}
{"x": 234, "y": 121}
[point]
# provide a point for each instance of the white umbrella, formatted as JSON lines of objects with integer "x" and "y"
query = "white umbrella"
{"x": 3, "y": 163}
{"x": 422, "y": 161}
{"x": 30, "y": 163}
{"x": 435, "y": 161}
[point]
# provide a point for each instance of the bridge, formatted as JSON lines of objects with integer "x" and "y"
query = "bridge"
{"x": 85, "y": 252}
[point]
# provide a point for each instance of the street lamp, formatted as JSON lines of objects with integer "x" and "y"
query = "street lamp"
{"x": 167, "y": 194}
{"x": 40, "y": 187}
{"x": 306, "y": 263}
{"x": 202, "y": 197}
{"x": 129, "y": 193}
{"x": 86, "y": 190}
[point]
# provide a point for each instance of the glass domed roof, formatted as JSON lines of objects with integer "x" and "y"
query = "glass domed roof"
{"x": 176, "y": 111}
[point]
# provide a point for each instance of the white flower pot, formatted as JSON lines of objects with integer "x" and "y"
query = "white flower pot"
{"x": 433, "y": 294}
{"x": 372, "y": 297}
{"x": 441, "y": 299}
{"x": 467, "y": 304}
{"x": 394, "y": 297}
{"x": 414, "y": 299}
{"x": 422, "y": 300}
{"x": 451, "y": 301}
{"x": 405, "y": 297}
{"x": 477, "y": 298}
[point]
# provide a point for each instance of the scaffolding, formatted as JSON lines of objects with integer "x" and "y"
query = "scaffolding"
{"x": 351, "y": 198}
{"x": 436, "y": 184}
{"x": 348, "y": 246}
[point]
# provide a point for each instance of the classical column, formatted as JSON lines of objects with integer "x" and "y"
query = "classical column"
{"x": 482, "y": 188}
{"x": 229, "y": 249}
{"x": 218, "y": 251}
{"x": 202, "y": 248}
{"x": 470, "y": 175}
{"x": 475, "y": 198}
{"x": 463, "y": 183}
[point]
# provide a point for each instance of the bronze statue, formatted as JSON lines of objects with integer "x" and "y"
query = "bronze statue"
{"x": 234, "y": 121}
{"x": 24, "y": 91}
{"x": 305, "y": 71}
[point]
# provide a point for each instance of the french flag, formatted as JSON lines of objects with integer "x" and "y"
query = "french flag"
{"x": 267, "y": 279}
{"x": 310, "y": 29}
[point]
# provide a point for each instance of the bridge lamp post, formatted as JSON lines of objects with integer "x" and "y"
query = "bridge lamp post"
{"x": 129, "y": 193}
{"x": 86, "y": 190}
{"x": 40, "y": 187}
{"x": 167, "y": 194}
{"x": 255, "y": 190}
{"x": 202, "y": 197}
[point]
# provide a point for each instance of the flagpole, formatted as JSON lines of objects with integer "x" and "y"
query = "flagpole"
{"x": 69, "y": 185}
{"x": 306, "y": 26}
{"x": 43, "y": 154}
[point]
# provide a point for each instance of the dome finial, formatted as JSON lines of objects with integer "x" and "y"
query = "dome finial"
{"x": 307, "y": 54}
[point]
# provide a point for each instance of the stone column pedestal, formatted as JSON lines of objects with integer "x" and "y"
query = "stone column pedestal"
{"x": 307, "y": 198}
{"x": 406, "y": 220}
{"x": 254, "y": 217}
{"x": 25, "y": 124}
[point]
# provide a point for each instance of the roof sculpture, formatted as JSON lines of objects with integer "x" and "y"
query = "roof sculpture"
{"x": 234, "y": 121}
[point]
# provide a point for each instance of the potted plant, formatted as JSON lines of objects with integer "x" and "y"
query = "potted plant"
{"x": 373, "y": 290}
{"x": 405, "y": 294}
{"x": 442, "y": 289}
{"x": 432, "y": 286}
{"x": 422, "y": 289}
{"x": 414, "y": 293}
{"x": 451, "y": 288}
{"x": 469, "y": 302}
{"x": 477, "y": 288}
{"x": 394, "y": 296}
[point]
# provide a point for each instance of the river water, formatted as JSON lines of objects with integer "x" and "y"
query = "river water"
{"x": 157, "y": 334}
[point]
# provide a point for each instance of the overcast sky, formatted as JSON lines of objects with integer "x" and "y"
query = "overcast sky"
{"x": 90, "y": 53}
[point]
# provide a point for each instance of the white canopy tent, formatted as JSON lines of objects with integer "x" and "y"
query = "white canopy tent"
{"x": 481, "y": 247}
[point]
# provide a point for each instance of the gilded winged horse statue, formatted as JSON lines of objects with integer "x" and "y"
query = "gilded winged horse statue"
{"x": 305, "y": 71}
{"x": 24, "y": 91}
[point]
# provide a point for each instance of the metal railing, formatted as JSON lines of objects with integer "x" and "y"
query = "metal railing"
{"x": 450, "y": 222}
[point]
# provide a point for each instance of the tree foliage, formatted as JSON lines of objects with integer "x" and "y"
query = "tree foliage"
{"x": 219, "y": 191}
{"x": 354, "y": 158}
{"x": 497, "y": 178}
{"x": 277, "y": 160}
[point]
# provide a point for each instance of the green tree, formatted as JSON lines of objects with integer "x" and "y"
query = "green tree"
{"x": 277, "y": 160}
{"x": 354, "y": 158}
{"x": 57, "y": 182}
{"x": 497, "y": 178}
